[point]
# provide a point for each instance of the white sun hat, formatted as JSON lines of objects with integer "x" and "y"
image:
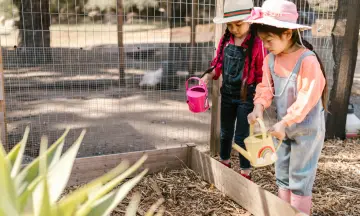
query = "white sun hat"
{"x": 235, "y": 10}
{"x": 278, "y": 13}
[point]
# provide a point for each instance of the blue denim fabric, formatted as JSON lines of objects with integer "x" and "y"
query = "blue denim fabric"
{"x": 299, "y": 155}
{"x": 234, "y": 111}
{"x": 233, "y": 67}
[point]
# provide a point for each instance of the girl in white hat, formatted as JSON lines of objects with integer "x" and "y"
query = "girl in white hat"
{"x": 295, "y": 76}
{"x": 239, "y": 60}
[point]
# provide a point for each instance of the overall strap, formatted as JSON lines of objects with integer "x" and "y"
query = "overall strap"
{"x": 298, "y": 63}
{"x": 295, "y": 71}
{"x": 271, "y": 62}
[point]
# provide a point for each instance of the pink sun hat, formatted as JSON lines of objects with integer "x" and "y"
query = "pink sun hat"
{"x": 278, "y": 13}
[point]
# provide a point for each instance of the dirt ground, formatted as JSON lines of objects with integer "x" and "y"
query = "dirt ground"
{"x": 182, "y": 192}
{"x": 337, "y": 187}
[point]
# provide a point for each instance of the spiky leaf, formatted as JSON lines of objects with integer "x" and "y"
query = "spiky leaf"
{"x": 133, "y": 205}
{"x": 67, "y": 205}
{"x": 31, "y": 171}
{"x": 106, "y": 205}
{"x": 59, "y": 175}
{"x": 110, "y": 186}
{"x": 8, "y": 202}
{"x": 20, "y": 154}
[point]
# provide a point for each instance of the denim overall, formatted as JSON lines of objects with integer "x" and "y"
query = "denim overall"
{"x": 299, "y": 154}
{"x": 232, "y": 106}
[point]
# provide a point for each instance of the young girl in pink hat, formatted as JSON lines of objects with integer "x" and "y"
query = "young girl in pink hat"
{"x": 292, "y": 74}
{"x": 239, "y": 60}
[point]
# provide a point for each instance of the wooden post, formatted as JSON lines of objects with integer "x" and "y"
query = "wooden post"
{"x": 120, "y": 19}
{"x": 3, "y": 132}
{"x": 345, "y": 54}
{"x": 215, "y": 93}
{"x": 194, "y": 22}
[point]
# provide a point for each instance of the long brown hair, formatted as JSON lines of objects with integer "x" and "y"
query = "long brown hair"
{"x": 297, "y": 40}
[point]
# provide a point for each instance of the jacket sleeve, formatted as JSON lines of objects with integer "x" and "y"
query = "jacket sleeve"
{"x": 260, "y": 56}
{"x": 219, "y": 63}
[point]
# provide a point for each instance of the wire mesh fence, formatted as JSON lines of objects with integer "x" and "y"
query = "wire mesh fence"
{"x": 75, "y": 81}
{"x": 62, "y": 59}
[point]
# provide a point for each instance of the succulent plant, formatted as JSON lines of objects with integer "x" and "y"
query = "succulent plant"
{"x": 36, "y": 189}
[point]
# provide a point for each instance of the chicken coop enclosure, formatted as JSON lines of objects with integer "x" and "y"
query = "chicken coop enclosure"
{"x": 117, "y": 68}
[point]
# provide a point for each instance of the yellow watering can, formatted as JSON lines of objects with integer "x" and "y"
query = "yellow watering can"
{"x": 260, "y": 147}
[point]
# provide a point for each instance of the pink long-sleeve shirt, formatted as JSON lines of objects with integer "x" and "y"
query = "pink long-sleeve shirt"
{"x": 310, "y": 84}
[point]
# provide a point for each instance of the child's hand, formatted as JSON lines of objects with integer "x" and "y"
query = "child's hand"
{"x": 208, "y": 76}
{"x": 256, "y": 113}
{"x": 205, "y": 78}
{"x": 278, "y": 130}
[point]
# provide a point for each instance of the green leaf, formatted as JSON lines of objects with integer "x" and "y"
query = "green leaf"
{"x": 67, "y": 205}
{"x": 107, "y": 204}
{"x": 58, "y": 176}
{"x": 45, "y": 209}
{"x": 57, "y": 155}
{"x": 20, "y": 154}
{"x": 11, "y": 156}
{"x": 31, "y": 171}
{"x": 25, "y": 198}
{"x": 41, "y": 199}
{"x": 43, "y": 162}
{"x": 110, "y": 186}
{"x": 155, "y": 206}
{"x": 8, "y": 202}
{"x": 131, "y": 210}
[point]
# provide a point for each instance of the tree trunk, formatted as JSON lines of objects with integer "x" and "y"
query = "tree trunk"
{"x": 345, "y": 36}
{"x": 34, "y": 29}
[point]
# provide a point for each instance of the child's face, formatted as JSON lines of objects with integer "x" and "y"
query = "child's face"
{"x": 276, "y": 44}
{"x": 238, "y": 28}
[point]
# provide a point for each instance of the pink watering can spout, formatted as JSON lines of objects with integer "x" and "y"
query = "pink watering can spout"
{"x": 197, "y": 96}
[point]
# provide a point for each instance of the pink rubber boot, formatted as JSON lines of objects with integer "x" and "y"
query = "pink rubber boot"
{"x": 302, "y": 203}
{"x": 284, "y": 194}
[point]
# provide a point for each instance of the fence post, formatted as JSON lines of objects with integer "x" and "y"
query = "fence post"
{"x": 194, "y": 22}
{"x": 3, "y": 128}
{"x": 215, "y": 93}
{"x": 120, "y": 22}
{"x": 345, "y": 54}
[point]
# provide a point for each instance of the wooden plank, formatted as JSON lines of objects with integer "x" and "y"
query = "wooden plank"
{"x": 246, "y": 193}
{"x": 215, "y": 92}
{"x": 345, "y": 51}
{"x": 120, "y": 22}
{"x": 89, "y": 168}
{"x": 3, "y": 129}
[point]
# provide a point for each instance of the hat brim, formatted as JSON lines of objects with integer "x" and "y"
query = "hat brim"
{"x": 279, "y": 24}
{"x": 220, "y": 20}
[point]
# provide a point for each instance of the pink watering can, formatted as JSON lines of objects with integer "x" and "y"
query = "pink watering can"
{"x": 197, "y": 96}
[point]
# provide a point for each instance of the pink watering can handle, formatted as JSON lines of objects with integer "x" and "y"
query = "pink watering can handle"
{"x": 195, "y": 78}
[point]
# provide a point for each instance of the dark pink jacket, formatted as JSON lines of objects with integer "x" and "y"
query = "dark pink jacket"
{"x": 255, "y": 74}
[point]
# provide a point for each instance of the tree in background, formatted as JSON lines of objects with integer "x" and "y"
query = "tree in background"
{"x": 34, "y": 29}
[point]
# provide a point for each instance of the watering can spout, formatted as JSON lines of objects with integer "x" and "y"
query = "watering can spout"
{"x": 242, "y": 151}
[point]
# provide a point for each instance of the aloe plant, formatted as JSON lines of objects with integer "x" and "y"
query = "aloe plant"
{"x": 36, "y": 189}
